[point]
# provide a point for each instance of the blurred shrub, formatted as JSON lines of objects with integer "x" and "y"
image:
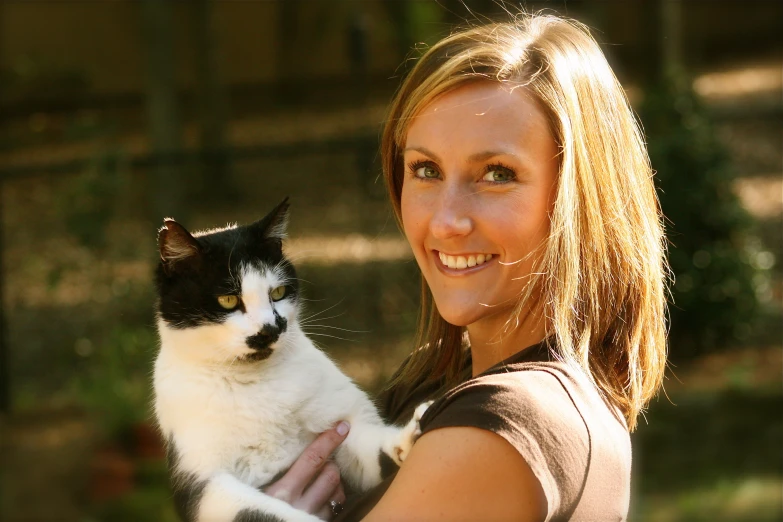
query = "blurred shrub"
{"x": 93, "y": 197}
{"x": 114, "y": 385}
{"x": 150, "y": 499}
{"x": 33, "y": 78}
{"x": 717, "y": 260}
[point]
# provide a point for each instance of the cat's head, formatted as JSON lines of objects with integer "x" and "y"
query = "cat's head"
{"x": 226, "y": 295}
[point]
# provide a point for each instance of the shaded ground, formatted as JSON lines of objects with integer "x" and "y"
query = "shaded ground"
{"x": 712, "y": 449}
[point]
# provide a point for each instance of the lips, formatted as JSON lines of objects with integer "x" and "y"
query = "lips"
{"x": 462, "y": 262}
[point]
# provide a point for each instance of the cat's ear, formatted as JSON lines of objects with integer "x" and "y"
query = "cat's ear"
{"x": 175, "y": 243}
{"x": 275, "y": 224}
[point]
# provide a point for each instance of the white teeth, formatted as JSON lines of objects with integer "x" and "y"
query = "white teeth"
{"x": 460, "y": 262}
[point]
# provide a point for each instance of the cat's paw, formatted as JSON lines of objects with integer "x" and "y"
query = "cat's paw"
{"x": 409, "y": 434}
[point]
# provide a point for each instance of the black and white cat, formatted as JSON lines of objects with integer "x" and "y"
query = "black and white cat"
{"x": 240, "y": 390}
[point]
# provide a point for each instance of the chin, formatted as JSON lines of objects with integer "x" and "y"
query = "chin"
{"x": 458, "y": 317}
{"x": 465, "y": 314}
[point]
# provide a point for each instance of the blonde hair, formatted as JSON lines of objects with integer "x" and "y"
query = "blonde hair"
{"x": 601, "y": 276}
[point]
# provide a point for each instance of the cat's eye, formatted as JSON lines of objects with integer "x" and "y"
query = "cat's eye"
{"x": 277, "y": 293}
{"x": 229, "y": 302}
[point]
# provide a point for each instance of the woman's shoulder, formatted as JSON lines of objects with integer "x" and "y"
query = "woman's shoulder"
{"x": 555, "y": 418}
{"x": 534, "y": 406}
{"x": 549, "y": 391}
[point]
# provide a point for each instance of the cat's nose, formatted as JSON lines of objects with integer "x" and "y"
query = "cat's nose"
{"x": 268, "y": 335}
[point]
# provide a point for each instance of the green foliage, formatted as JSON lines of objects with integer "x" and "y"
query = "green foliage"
{"x": 30, "y": 77}
{"x": 710, "y": 456}
{"x": 115, "y": 385}
{"x": 150, "y": 499}
{"x": 712, "y": 250}
{"x": 92, "y": 199}
{"x": 426, "y": 23}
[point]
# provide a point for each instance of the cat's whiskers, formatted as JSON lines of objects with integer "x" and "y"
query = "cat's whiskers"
{"x": 235, "y": 359}
{"x": 332, "y": 336}
{"x": 311, "y": 321}
{"x": 311, "y": 300}
{"x": 337, "y": 328}
{"x": 302, "y": 254}
{"x": 287, "y": 345}
{"x": 231, "y": 253}
{"x": 304, "y": 319}
{"x": 237, "y": 281}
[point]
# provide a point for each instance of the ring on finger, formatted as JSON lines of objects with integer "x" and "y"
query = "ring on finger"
{"x": 336, "y": 507}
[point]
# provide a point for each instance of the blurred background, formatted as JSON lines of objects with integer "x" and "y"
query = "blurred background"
{"x": 115, "y": 114}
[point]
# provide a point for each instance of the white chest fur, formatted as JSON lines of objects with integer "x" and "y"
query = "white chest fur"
{"x": 252, "y": 420}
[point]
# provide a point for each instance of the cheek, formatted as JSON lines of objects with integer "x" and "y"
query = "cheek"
{"x": 414, "y": 219}
{"x": 526, "y": 218}
{"x": 239, "y": 325}
{"x": 286, "y": 309}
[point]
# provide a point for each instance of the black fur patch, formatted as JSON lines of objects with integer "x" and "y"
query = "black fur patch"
{"x": 266, "y": 337}
{"x": 251, "y": 515}
{"x": 187, "y": 489}
{"x": 188, "y": 286}
{"x": 388, "y": 466}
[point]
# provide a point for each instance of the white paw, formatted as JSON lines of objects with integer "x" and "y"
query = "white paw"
{"x": 409, "y": 434}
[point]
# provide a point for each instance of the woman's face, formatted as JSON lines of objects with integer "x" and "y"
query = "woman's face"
{"x": 480, "y": 173}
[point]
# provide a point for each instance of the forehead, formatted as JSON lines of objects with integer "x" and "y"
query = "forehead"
{"x": 255, "y": 277}
{"x": 481, "y": 116}
{"x": 238, "y": 246}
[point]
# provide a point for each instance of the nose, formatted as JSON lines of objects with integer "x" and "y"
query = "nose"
{"x": 451, "y": 213}
{"x": 267, "y": 336}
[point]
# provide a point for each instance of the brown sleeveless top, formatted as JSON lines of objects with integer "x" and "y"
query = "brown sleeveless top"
{"x": 576, "y": 444}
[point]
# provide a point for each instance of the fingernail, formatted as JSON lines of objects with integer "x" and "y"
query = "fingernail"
{"x": 343, "y": 428}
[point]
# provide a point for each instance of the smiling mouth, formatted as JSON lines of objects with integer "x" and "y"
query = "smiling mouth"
{"x": 463, "y": 262}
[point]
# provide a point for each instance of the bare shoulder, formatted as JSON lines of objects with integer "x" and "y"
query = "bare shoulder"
{"x": 462, "y": 474}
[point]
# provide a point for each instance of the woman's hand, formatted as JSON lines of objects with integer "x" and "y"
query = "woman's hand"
{"x": 313, "y": 481}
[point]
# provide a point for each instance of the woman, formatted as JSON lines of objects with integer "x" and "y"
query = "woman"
{"x": 521, "y": 180}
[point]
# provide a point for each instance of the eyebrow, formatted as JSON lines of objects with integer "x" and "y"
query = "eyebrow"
{"x": 477, "y": 157}
{"x": 425, "y": 151}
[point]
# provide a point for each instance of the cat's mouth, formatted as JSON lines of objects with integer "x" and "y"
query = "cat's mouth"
{"x": 259, "y": 355}
{"x": 262, "y": 343}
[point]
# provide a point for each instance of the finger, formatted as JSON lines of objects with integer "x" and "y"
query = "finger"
{"x": 326, "y": 513}
{"x": 322, "y": 490}
{"x": 312, "y": 460}
{"x": 339, "y": 494}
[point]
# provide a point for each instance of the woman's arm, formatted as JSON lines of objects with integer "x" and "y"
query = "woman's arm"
{"x": 466, "y": 474}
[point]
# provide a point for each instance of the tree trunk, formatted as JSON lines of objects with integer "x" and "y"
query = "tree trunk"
{"x": 671, "y": 38}
{"x": 211, "y": 102}
{"x": 162, "y": 110}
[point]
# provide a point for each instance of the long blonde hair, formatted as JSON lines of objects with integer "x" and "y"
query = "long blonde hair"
{"x": 602, "y": 273}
